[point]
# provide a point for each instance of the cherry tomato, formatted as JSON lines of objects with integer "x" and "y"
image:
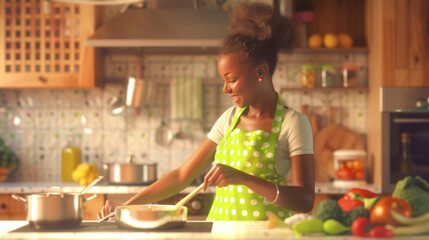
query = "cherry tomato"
{"x": 359, "y": 174}
{"x": 345, "y": 173}
{"x": 349, "y": 164}
{"x": 358, "y": 164}
{"x": 380, "y": 213}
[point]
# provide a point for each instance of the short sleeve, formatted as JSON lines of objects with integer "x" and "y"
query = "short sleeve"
{"x": 221, "y": 126}
{"x": 300, "y": 136}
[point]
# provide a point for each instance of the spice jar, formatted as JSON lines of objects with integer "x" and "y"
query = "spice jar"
{"x": 328, "y": 75}
{"x": 349, "y": 167}
{"x": 308, "y": 75}
{"x": 350, "y": 75}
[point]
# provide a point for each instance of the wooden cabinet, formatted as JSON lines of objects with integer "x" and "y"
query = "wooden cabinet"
{"x": 42, "y": 45}
{"x": 11, "y": 209}
{"x": 405, "y": 48}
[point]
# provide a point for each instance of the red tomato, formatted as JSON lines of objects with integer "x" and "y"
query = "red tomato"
{"x": 345, "y": 174}
{"x": 359, "y": 174}
{"x": 380, "y": 213}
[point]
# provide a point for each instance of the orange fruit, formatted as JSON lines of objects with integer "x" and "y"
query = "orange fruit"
{"x": 330, "y": 40}
{"x": 315, "y": 41}
{"x": 345, "y": 40}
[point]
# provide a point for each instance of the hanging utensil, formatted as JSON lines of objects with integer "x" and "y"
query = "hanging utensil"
{"x": 163, "y": 134}
{"x": 115, "y": 104}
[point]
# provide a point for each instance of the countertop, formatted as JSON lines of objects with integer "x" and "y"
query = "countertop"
{"x": 220, "y": 230}
{"x": 105, "y": 188}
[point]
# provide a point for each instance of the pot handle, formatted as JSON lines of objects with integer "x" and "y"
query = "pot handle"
{"x": 55, "y": 190}
{"x": 90, "y": 198}
{"x": 19, "y": 198}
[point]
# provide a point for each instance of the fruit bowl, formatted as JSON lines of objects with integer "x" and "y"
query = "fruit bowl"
{"x": 4, "y": 173}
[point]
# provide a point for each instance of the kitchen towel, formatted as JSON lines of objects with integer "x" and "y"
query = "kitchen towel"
{"x": 186, "y": 99}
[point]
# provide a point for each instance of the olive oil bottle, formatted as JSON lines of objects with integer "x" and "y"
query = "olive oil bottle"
{"x": 71, "y": 156}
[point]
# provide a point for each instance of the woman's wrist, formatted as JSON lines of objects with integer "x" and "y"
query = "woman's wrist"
{"x": 277, "y": 193}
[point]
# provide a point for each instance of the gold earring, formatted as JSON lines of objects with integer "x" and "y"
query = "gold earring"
{"x": 260, "y": 79}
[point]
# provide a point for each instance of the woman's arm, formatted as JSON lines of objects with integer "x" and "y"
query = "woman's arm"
{"x": 178, "y": 179}
{"x": 297, "y": 197}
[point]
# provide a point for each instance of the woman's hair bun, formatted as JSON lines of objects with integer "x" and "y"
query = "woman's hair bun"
{"x": 261, "y": 22}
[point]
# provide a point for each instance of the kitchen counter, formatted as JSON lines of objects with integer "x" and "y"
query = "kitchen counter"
{"x": 219, "y": 230}
{"x": 104, "y": 188}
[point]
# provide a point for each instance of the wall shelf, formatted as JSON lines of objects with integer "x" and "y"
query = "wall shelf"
{"x": 325, "y": 89}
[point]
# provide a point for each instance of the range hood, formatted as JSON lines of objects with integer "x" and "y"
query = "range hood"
{"x": 141, "y": 27}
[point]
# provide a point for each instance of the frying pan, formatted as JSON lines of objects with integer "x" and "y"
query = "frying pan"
{"x": 151, "y": 216}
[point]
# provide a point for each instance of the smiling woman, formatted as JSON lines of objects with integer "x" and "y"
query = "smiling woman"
{"x": 256, "y": 144}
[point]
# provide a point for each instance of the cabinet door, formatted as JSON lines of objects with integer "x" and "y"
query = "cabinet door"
{"x": 42, "y": 44}
{"x": 405, "y": 43}
{"x": 11, "y": 209}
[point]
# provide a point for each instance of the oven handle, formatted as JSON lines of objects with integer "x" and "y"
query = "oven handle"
{"x": 411, "y": 120}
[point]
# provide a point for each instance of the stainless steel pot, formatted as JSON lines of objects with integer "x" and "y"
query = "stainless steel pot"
{"x": 150, "y": 216}
{"x": 130, "y": 172}
{"x": 54, "y": 210}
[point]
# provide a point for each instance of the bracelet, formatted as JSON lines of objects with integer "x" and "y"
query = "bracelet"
{"x": 277, "y": 194}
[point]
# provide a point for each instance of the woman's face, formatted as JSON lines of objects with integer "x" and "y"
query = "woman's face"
{"x": 241, "y": 78}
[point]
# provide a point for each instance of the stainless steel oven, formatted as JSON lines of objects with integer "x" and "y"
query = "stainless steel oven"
{"x": 405, "y": 134}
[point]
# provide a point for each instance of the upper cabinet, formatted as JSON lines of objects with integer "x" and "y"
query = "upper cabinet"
{"x": 405, "y": 44}
{"x": 42, "y": 45}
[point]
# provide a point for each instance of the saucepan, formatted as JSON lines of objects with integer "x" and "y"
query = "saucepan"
{"x": 56, "y": 209}
{"x": 130, "y": 172}
{"x": 152, "y": 216}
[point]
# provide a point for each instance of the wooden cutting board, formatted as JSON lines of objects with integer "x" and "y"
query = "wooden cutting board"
{"x": 328, "y": 140}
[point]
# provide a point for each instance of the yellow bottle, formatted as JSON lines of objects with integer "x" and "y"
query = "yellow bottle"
{"x": 70, "y": 159}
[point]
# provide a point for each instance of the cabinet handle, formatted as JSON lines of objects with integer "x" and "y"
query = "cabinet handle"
{"x": 3, "y": 206}
{"x": 42, "y": 79}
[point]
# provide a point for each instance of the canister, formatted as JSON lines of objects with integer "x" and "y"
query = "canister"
{"x": 308, "y": 75}
{"x": 350, "y": 167}
{"x": 328, "y": 75}
{"x": 349, "y": 75}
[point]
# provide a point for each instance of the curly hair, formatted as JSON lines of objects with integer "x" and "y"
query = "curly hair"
{"x": 258, "y": 32}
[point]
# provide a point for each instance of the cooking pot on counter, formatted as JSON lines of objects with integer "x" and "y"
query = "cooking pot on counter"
{"x": 130, "y": 172}
{"x": 55, "y": 209}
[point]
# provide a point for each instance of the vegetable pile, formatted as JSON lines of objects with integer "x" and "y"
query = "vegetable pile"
{"x": 366, "y": 214}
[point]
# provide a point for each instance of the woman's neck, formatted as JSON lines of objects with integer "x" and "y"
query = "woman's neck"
{"x": 264, "y": 107}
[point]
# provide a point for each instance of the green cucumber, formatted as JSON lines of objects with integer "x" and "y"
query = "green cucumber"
{"x": 312, "y": 225}
{"x": 333, "y": 227}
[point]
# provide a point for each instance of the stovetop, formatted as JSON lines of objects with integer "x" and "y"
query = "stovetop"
{"x": 87, "y": 227}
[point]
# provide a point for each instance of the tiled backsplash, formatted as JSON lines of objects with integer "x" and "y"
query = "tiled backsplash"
{"x": 37, "y": 124}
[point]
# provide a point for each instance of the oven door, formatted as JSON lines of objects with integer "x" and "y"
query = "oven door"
{"x": 416, "y": 126}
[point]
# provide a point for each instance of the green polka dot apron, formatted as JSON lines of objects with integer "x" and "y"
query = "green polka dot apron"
{"x": 254, "y": 153}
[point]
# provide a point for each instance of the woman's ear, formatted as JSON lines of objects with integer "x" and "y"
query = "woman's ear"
{"x": 261, "y": 70}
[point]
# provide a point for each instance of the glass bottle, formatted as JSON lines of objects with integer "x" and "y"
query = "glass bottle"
{"x": 71, "y": 156}
{"x": 405, "y": 161}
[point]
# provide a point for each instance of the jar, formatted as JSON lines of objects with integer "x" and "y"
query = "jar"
{"x": 349, "y": 75}
{"x": 308, "y": 75}
{"x": 328, "y": 75}
{"x": 349, "y": 168}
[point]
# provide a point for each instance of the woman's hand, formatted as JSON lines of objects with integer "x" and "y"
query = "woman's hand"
{"x": 222, "y": 175}
{"x": 106, "y": 209}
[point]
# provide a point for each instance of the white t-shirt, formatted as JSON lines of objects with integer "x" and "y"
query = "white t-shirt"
{"x": 295, "y": 137}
